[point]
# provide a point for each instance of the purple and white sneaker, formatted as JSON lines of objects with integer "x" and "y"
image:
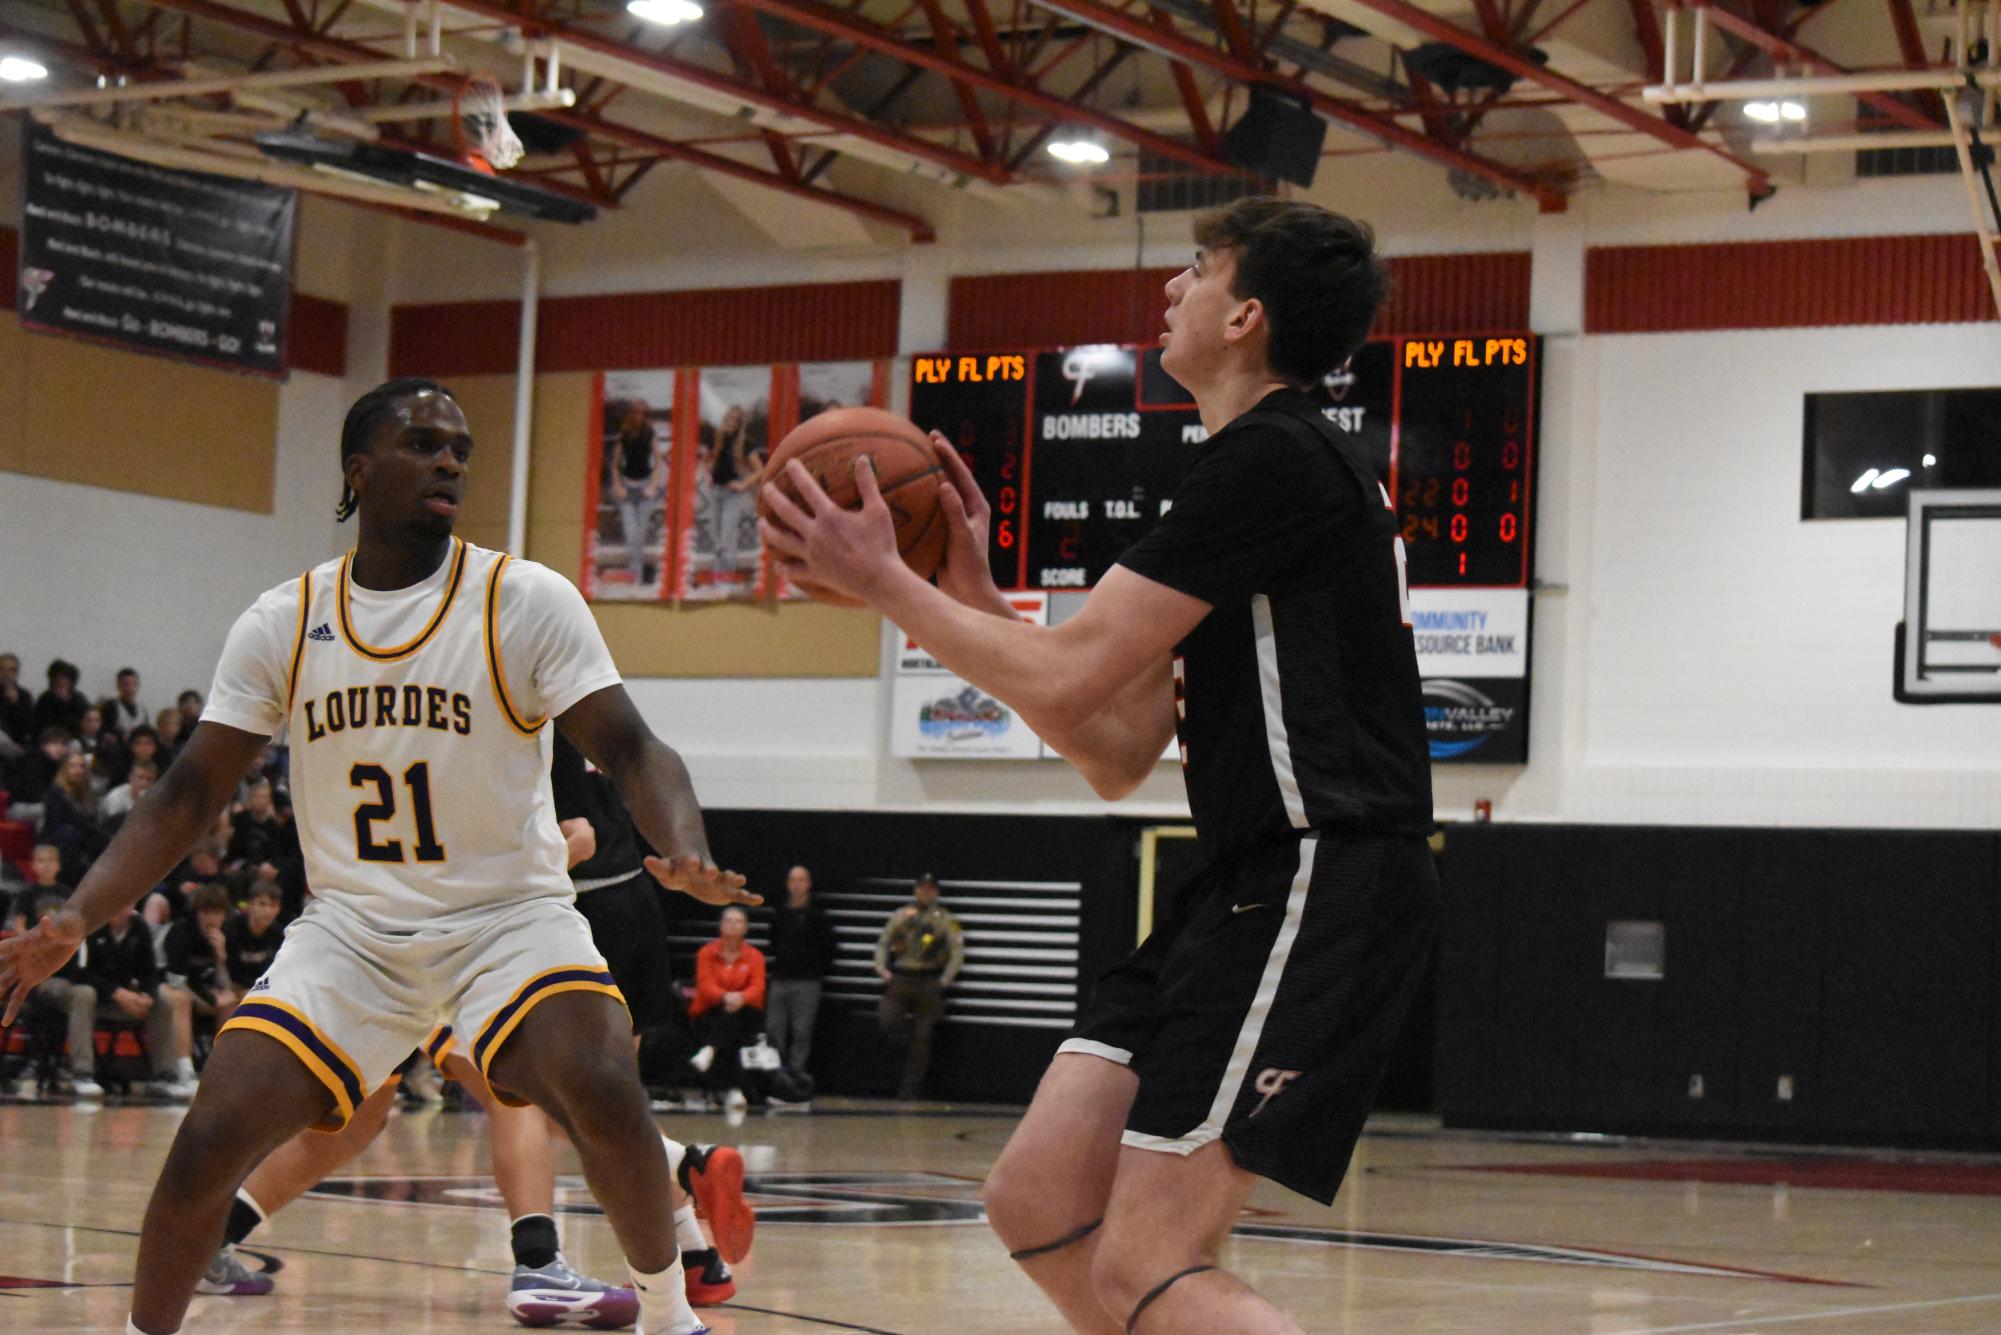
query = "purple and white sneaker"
{"x": 556, "y": 1295}
{"x": 231, "y": 1278}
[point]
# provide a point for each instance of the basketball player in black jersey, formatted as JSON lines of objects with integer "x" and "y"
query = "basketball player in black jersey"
{"x": 1264, "y": 620}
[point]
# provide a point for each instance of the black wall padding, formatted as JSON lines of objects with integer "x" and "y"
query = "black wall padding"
{"x": 1862, "y": 965}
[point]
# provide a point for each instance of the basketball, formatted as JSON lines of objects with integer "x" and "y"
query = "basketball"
{"x": 906, "y": 470}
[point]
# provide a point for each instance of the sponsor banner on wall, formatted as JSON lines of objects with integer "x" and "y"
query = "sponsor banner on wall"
{"x": 1472, "y": 651}
{"x": 941, "y": 716}
{"x": 1477, "y": 720}
{"x": 176, "y": 263}
{"x": 1471, "y": 632}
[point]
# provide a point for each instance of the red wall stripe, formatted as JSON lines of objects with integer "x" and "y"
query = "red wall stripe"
{"x": 1429, "y": 294}
{"x": 10, "y": 267}
{"x": 1859, "y": 280}
{"x": 318, "y": 335}
{"x": 716, "y": 327}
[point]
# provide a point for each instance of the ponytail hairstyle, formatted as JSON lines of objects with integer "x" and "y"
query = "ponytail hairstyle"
{"x": 365, "y": 418}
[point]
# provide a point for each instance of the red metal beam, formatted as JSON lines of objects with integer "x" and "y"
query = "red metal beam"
{"x": 990, "y": 43}
{"x": 1521, "y": 67}
{"x": 1744, "y": 30}
{"x": 333, "y": 48}
{"x": 1340, "y": 109}
{"x": 1492, "y": 21}
{"x": 823, "y": 18}
{"x": 1911, "y": 45}
{"x": 945, "y": 36}
{"x": 1235, "y": 32}
{"x": 918, "y": 229}
{"x": 1191, "y": 93}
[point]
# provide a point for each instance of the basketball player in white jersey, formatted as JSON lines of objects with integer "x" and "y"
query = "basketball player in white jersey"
{"x": 418, "y": 677}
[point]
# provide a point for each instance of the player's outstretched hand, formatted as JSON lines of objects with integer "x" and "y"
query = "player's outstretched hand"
{"x": 32, "y": 958}
{"x": 701, "y": 879}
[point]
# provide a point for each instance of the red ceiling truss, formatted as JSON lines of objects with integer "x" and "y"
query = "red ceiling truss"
{"x": 826, "y": 76}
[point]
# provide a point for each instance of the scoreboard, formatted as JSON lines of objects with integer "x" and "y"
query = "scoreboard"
{"x": 1079, "y": 451}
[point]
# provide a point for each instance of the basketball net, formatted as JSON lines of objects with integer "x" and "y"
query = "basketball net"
{"x": 480, "y": 132}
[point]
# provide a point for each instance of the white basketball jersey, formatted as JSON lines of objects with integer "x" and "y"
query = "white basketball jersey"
{"x": 419, "y": 728}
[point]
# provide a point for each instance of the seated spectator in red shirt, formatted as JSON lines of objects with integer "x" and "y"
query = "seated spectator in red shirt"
{"x": 251, "y": 938}
{"x": 131, "y": 986}
{"x": 62, "y": 705}
{"x": 123, "y": 712}
{"x": 728, "y": 1009}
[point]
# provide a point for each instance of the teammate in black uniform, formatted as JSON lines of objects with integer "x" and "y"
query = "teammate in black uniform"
{"x": 1264, "y": 620}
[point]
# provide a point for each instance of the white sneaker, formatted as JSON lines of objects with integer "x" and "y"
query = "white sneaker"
{"x": 702, "y": 1060}
{"x": 179, "y": 1088}
{"x": 734, "y": 1101}
{"x": 85, "y": 1088}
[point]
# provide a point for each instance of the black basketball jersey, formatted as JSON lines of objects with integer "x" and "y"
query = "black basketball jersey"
{"x": 1297, "y": 698}
{"x": 580, "y": 790}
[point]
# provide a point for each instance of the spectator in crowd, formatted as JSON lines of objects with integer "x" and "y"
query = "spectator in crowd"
{"x": 62, "y": 705}
{"x": 109, "y": 765}
{"x": 728, "y": 1009}
{"x": 198, "y": 954}
{"x": 189, "y": 705}
{"x": 919, "y": 953}
{"x": 117, "y": 803}
{"x": 90, "y": 730}
{"x": 167, "y": 730}
{"x": 130, "y": 986}
{"x": 70, "y": 991}
{"x": 28, "y": 778}
{"x": 142, "y": 747}
{"x": 251, "y": 938}
{"x": 123, "y": 712}
{"x": 69, "y": 814}
{"x": 17, "y": 710}
{"x": 257, "y": 838}
{"x": 802, "y": 951}
{"x": 45, "y": 881}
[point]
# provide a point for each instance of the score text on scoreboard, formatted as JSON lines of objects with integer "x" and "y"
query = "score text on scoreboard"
{"x": 1461, "y": 462}
{"x": 969, "y": 370}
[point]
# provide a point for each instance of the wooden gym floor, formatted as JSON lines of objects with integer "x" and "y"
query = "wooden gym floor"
{"x": 869, "y": 1222}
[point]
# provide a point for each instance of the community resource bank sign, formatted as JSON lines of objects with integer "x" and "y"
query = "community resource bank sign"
{"x": 176, "y": 263}
{"x": 941, "y": 716}
{"x": 1473, "y": 653}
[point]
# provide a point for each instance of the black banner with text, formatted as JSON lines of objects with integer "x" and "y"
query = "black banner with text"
{"x": 169, "y": 262}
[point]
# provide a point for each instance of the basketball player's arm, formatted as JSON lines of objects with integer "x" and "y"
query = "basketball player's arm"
{"x": 1095, "y": 688}
{"x": 654, "y": 784}
{"x": 163, "y": 825}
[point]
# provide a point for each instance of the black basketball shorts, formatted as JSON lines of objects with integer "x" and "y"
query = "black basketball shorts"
{"x": 1265, "y": 1017}
{"x": 630, "y": 931}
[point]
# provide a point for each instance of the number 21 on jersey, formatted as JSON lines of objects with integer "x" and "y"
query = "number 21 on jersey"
{"x": 417, "y": 779}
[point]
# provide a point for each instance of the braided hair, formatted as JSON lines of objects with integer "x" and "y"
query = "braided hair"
{"x": 365, "y": 418}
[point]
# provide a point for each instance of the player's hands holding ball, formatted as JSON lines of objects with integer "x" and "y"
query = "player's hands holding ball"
{"x": 699, "y": 878}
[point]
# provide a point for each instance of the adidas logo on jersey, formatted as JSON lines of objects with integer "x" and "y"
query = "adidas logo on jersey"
{"x": 320, "y": 632}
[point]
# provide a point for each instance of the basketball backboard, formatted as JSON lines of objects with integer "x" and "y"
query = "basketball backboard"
{"x": 1949, "y": 642}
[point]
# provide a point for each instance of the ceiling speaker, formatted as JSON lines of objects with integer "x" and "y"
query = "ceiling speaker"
{"x": 1276, "y": 137}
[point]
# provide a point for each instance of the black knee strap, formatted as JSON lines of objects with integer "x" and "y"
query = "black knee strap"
{"x": 1074, "y": 1235}
{"x": 1158, "y": 1289}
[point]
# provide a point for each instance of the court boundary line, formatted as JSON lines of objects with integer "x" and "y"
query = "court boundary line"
{"x": 1816, "y": 1316}
{"x": 834, "y": 1322}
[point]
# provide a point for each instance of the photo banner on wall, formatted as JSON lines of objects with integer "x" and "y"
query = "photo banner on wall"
{"x": 670, "y": 511}
{"x": 175, "y": 263}
{"x": 625, "y": 495}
